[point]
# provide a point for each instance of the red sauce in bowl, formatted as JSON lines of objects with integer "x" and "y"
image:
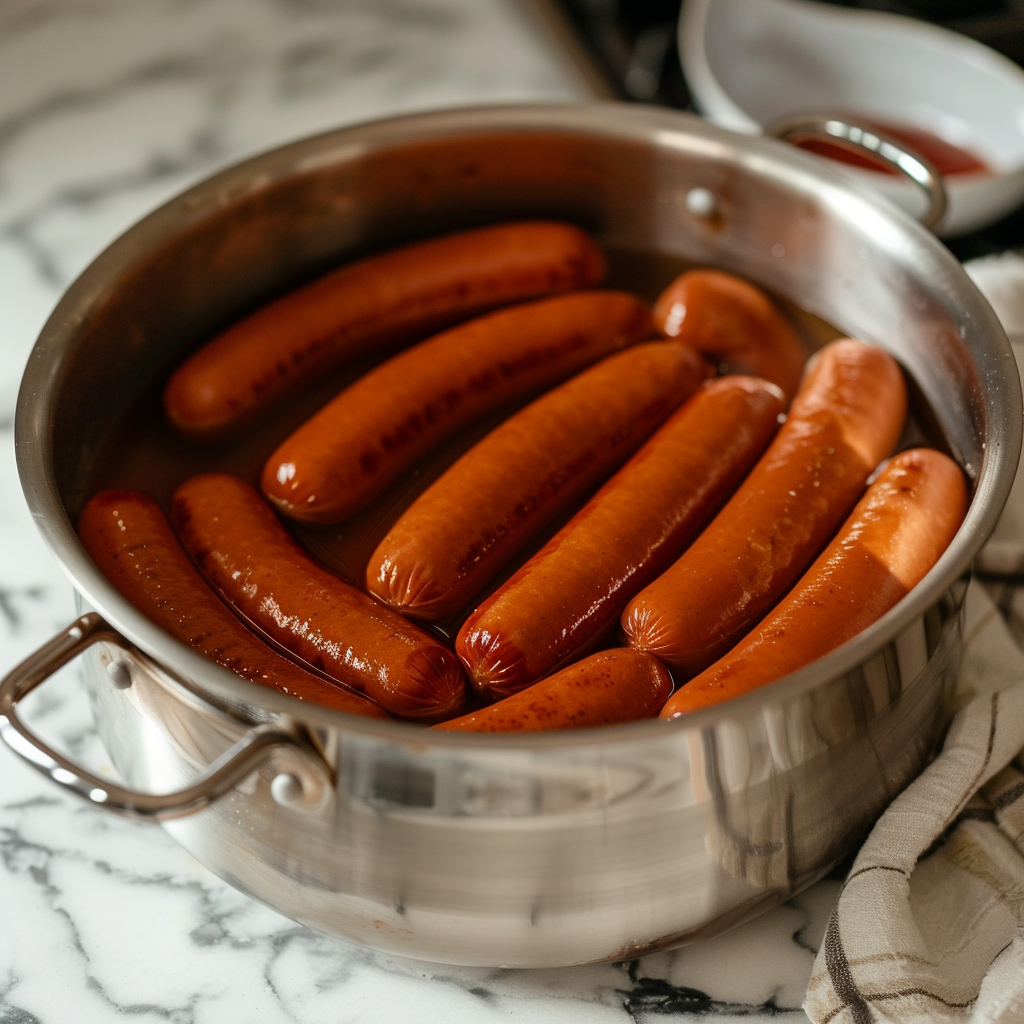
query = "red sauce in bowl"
{"x": 947, "y": 158}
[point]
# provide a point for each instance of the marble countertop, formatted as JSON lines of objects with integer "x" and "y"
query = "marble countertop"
{"x": 107, "y": 109}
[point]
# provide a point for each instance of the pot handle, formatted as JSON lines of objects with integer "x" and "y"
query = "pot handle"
{"x": 227, "y": 771}
{"x": 861, "y": 138}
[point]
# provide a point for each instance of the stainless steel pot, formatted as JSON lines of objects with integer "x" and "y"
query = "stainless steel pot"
{"x": 544, "y": 849}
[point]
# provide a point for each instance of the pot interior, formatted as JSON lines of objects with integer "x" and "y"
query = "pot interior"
{"x": 639, "y": 179}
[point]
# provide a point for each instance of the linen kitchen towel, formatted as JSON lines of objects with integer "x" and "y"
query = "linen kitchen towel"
{"x": 930, "y": 922}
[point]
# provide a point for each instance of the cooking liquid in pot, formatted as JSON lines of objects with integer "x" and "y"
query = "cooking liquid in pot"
{"x": 144, "y": 453}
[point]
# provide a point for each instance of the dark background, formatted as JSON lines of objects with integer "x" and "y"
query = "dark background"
{"x": 634, "y": 43}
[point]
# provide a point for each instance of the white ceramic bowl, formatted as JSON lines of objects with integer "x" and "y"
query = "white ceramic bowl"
{"x": 750, "y": 64}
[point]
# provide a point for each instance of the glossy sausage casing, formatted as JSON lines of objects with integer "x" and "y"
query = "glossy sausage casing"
{"x": 393, "y": 297}
{"x": 627, "y": 534}
{"x": 133, "y": 544}
{"x": 379, "y": 426}
{"x": 614, "y": 686}
{"x": 730, "y": 321}
{"x": 846, "y": 418}
{"x": 249, "y": 558}
{"x": 894, "y": 536}
{"x": 460, "y": 531}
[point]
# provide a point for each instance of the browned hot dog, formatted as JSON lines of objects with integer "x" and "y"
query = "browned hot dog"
{"x": 627, "y": 534}
{"x": 846, "y": 418}
{"x": 133, "y": 544}
{"x": 396, "y": 296}
{"x": 248, "y": 557}
{"x": 613, "y": 686}
{"x": 895, "y": 535}
{"x": 730, "y": 321}
{"x": 460, "y": 531}
{"x": 362, "y": 440}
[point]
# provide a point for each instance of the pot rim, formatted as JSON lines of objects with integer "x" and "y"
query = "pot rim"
{"x": 616, "y": 122}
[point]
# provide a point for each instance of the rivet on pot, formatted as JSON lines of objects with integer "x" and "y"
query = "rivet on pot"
{"x": 120, "y": 674}
{"x": 286, "y": 789}
{"x": 701, "y": 202}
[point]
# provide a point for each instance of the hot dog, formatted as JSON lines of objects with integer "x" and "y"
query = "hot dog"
{"x": 613, "y": 686}
{"x": 845, "y": 419}
{"x": 894, "y": 536}
{"x": 363, "y": 439}
{"x": 133, "y": 544}
{"x": 468, "y": 523}
{"x": 248, "y": 557}
{"x": 396, "y": 296}
{"x": 732, "y": 322}
{"x": 625, "y": 536}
